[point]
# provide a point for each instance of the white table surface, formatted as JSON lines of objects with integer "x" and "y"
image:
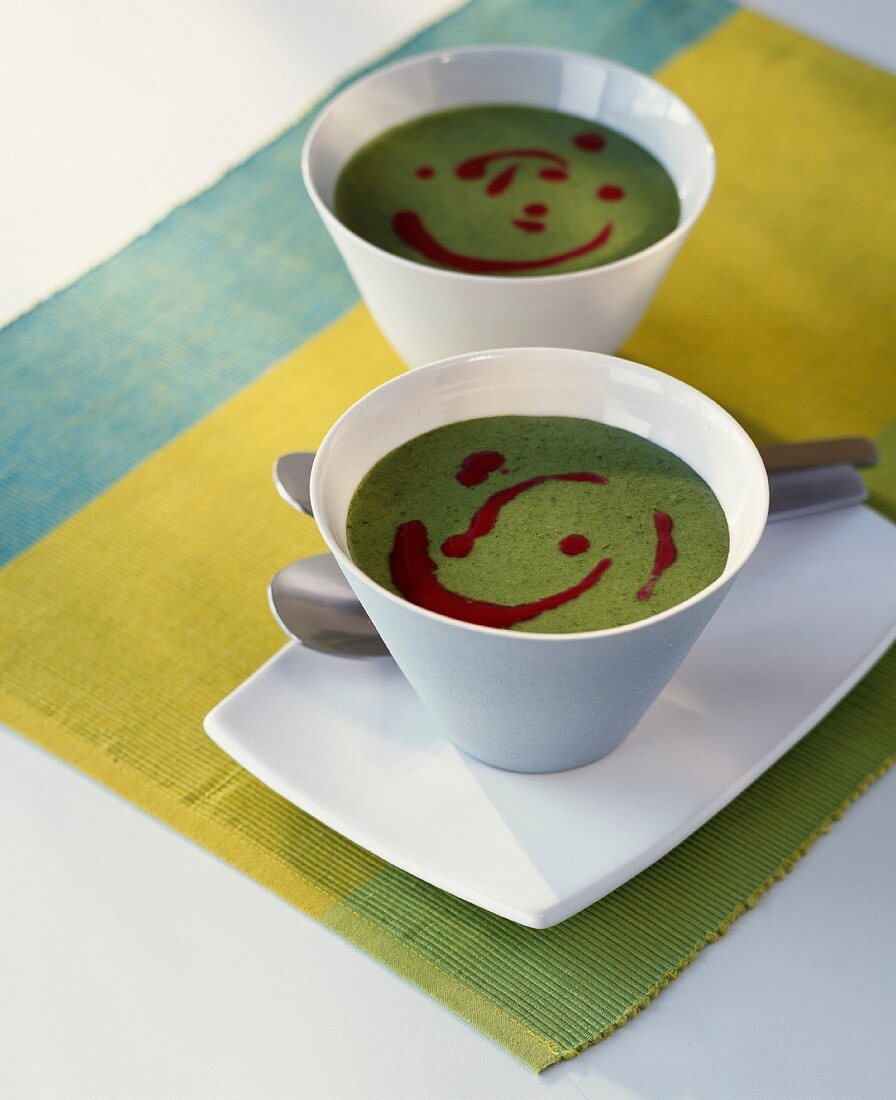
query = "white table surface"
{"x": 132, "y": 962}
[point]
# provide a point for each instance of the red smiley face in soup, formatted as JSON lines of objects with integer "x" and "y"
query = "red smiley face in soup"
{"x": 499, "y": 169}
{"x": 506, "y": 190}
{"x": 415, "y": 574}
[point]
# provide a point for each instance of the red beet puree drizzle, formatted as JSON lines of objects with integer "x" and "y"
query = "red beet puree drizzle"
{"x": 414, "y": 575}
{"x": 484, "y": 520}
{"x": 591, "y": 141}
{"x": 409, "y": 228}
{"x": 475, "y": 167}
{"x": 476, "y": 467}
{"x": 502, "y": 181}
{"x": 571, "y": 545}
{"x": 527, "y": 226}
{"x": 666, "y": 552}
{"x": 414, "y": 572}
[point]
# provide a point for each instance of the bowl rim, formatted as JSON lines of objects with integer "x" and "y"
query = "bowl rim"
{"x": 732, "y": 567}
{"x": 681, "y": 230}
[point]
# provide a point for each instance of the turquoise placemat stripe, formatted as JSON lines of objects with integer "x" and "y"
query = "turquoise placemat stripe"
{"x": 114, "y": 366}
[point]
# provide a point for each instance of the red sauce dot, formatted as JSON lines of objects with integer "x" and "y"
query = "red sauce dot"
{"x": 552, "y": 174}
{"x": 592, "y": 142}
{"x": 471, "y": 477}
{"x": 535, "y": 210}
{"x": 457, "y": 546}
{"x": 425, "y": 172}
{"x": 476, "y": 467}
{"x": 574, "y": 544}
{"x": 610, "y": 193}
{"x": 528, "y": 227}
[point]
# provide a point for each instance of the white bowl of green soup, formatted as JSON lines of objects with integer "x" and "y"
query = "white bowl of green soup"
{"x": 540, "y": 535}
{"x": 506, "y": 196}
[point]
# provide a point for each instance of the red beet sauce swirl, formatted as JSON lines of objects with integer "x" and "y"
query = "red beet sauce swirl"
{"x": 414, "y": 573}
{"x": 410, "y": 228}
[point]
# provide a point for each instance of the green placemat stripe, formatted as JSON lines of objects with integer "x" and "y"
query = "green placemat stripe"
{"x": 574, "y": 983}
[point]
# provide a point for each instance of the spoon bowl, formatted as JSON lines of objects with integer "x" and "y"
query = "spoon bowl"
{"x": 313, "y": 603}
{"x": 292, "y": 477}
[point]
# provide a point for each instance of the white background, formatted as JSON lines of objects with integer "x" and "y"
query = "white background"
{"x": 112, "y": 113}
{"x": 133, "y": 963}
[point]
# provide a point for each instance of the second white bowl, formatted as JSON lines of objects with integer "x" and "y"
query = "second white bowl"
{"x": 430, "y": 313}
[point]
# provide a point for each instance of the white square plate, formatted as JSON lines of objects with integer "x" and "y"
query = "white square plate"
{"x": 348, "y": 741}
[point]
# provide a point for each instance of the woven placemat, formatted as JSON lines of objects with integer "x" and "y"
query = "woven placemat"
{"x": 148, "y": 546}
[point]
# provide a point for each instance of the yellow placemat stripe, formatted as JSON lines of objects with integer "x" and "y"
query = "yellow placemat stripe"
{"x": 782, "y": 304}
{"x": 120, "y": 629}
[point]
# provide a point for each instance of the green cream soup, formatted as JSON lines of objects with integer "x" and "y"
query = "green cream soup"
{"x": 542, "y": 523}
{"x": 504, "y": 190}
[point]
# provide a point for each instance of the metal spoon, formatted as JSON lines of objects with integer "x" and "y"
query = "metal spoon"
{"x": 854, "y": 450}
{"x": 311, "y": 599}
{"x": 292, "y": 477}
{"x": 313, "y": 602}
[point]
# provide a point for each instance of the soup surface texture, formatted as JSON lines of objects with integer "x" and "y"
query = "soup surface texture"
{"x": 506, "y": 190}
{"x": 548, "y": 524}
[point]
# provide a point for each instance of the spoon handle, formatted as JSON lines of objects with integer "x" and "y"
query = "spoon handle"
{"x": 852, "y": 450}
{"x": 795, "y": 493}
